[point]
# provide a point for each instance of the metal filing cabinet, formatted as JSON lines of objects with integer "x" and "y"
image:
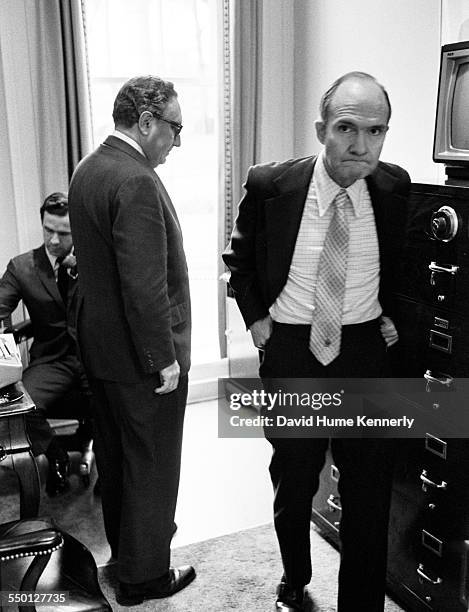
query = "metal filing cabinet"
{"x": 428, "y": 561}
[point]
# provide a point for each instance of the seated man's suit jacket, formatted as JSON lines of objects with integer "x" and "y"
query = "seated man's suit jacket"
{"x": 263, "y": 240}
{"x": 30, "y": 277}
{"x": 134, "y": 307}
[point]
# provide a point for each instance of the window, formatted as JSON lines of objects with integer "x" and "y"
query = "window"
{"x": 176, "y": 40}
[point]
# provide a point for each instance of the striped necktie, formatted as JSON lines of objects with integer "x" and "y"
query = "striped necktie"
{"x": 326, "y": 328}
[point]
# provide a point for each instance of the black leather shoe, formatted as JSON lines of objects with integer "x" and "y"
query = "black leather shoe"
{"x": 289, "y": 599}
{"x": 175, "y": 580}
{"x": 57, "y": 478}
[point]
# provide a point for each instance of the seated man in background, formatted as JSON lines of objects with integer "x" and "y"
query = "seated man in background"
{"x": 45, "y": 280}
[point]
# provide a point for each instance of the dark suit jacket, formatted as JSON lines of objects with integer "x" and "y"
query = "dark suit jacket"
{"x": 29, "y": 277}
{"x": 134, "y": 307}
{"x": 263, "y": 239}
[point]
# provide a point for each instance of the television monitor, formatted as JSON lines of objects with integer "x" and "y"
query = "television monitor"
{"x": 451, "y": 142}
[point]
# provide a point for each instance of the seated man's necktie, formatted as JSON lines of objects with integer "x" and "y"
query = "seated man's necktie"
{"x": 62, "y": 279}
{"x": 326, "y": 328}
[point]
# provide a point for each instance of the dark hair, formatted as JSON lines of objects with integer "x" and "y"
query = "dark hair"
{"x": 139, "y": 94}
{"x": 56, "y": 204}
{"x": 327, "y": 97}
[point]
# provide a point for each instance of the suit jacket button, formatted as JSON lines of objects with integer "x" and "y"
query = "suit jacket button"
{"x": 327, "y": 342}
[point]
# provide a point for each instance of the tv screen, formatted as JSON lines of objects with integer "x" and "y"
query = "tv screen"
{"x": 451, "y": 143}
{"x": 460, "y": 109}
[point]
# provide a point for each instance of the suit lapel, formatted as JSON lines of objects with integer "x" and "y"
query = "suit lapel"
{"x": 167, "y": 200}
{"x": 45, "y": 274}
{"x": 283, "y": 213}
{"x": 380, "y": 187}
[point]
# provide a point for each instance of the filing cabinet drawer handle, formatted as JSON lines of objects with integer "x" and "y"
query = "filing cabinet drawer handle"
{"x": 3, "y": 453}
{"x": 434, "y": 267}
{"x": 442, "y": 379}
{"x": 422, "y": 574}
{"x": 426, "y": 482}
{"x": 332, "y": 503}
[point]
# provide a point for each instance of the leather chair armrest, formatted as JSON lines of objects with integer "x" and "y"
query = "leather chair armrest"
{"x": 41, "y": 542}
{"x": 21, "y": 331}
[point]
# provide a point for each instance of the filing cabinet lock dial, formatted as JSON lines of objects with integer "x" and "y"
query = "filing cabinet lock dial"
{"x": 444, "y": 224}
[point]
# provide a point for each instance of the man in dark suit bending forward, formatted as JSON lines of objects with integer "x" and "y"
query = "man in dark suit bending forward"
{"x": 133, "y": 328}
{"x": 312, "y": 259}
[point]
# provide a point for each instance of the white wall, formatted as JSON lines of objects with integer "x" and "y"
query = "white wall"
{"x": 454, "y": 21}
{"x": 397, "y": 41}
{"x": 277, "y": 140}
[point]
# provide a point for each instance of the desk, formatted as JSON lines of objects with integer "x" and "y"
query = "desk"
{"x": 15, "y": 451}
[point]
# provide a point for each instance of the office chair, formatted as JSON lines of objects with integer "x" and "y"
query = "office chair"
{"x": 36, "y": 556}
{"x": 75, "y": 433}
{"x": 60, "y": 564}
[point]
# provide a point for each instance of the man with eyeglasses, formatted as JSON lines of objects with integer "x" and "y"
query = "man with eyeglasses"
{"x": 134, "y": 333}
{"x": 45, "y": 280}
{"x": 313, "y": 267}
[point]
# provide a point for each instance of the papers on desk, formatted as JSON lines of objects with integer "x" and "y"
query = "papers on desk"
{"x": 11, "y": 368}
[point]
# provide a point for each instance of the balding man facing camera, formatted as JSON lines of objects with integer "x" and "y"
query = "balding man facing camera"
{"x": 312, "y": 259}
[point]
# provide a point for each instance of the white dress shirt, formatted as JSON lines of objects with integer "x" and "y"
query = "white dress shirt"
{"x": 295, "y": 304}
{"x": 130, "y": 141}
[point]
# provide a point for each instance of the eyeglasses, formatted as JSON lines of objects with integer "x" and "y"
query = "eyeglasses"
{"x": 177, "y": 127}
{"x": 55, "y": 205}
{"x": 60, "y": 207}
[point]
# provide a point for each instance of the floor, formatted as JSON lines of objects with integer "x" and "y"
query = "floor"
{"x": 224, "y": 488}
{"x": 225, "y": 485}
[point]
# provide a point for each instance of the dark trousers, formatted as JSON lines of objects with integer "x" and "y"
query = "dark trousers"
{"x": 47, "y": 383}
{"x": 365, "y": 467}
{"x": 138, "y": 442}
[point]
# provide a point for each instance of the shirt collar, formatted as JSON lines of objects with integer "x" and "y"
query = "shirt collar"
{"x": 53, "y": 259}
{"x": 327, "y": 189}
{"x": 130, "y": 141}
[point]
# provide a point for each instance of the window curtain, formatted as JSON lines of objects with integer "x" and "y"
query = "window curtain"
{"x": 60, "y": 75}
{"x": 44, "y": 110}
{"x": 241, "y": 107}
{"x": 242, "y": 97}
